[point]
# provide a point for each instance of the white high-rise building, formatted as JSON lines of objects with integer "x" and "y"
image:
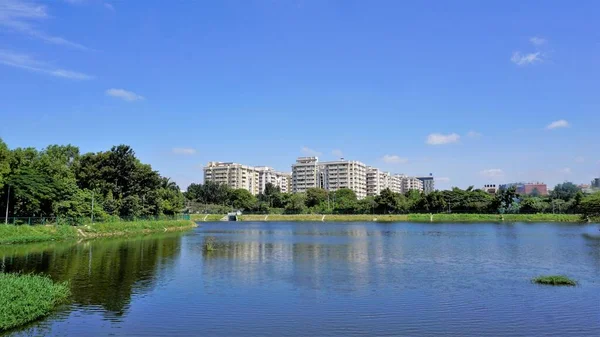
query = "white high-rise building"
{"x": 411, "y": 183}
{"x": 377, "y": 181}
{"x": 252, "y": 179}
{"x": 308, "y": 172}
{"x": 305, "y": 174}
{"x": 233, "y": 175}
{"x": 345, "y": 174}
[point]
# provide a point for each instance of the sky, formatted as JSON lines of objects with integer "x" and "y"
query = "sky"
{"x": 474, "y": 92}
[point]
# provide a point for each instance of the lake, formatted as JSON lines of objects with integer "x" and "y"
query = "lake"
{"x": 324, "y": 279}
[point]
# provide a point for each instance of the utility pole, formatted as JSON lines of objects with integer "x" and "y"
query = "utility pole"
{"x": 7, "y": 201}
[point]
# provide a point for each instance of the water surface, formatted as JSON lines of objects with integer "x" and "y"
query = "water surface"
{"x": 324, "y": 279}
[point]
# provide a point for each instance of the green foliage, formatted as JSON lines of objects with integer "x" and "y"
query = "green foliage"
{"x": 58, "y": 181}
{"x": 590, "y": 205}
{"x": 316, "y": 197}
{"x": 554, "y": 280}
{"x": 242, "y": 199}
{"x": 296, "y": 203}
{"x": 4, "y": 162}
{"x": 565, "y": 191}
{"x": 25, "y": 298}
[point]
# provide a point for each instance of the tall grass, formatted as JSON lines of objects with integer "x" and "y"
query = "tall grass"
{"x": 25, "y": 298}
{"x": 11, "y": 234}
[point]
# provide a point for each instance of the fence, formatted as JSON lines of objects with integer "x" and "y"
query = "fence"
{"x": 33, "y": 220}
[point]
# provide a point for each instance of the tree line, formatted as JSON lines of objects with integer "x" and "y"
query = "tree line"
{"x": 566, "y": 198}
{"x": 58, "y": 181}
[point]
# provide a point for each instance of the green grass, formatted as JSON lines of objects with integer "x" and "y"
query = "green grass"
{"x": 555, "y": 280}
{"x": 10, "y": 234}
{"x": 208, "y": 217}
{"x": 416, "y": 217}
{"x": 25, "y": 298}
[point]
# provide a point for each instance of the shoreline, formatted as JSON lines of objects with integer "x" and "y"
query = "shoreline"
{"x": 22, "y": 234}
{"x": 442, "y": 217}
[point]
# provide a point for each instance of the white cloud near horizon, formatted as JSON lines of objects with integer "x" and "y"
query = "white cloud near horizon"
{"x": 27, "y": 62}
{"x": 441, "y": 139}
{"x": 537, "y": 41}
{"x": 310, "y": 152}
{"x": 474, "y": 134}
{"x": 21, "y": 15}
{"x": 525, "y": 59}
{"x": 442, "y": 179}
{"x": 184, "y": 151}
{"x": 125, "y": 95}
{"x": 492, "y": 173}
{"x": 558, "y": 124}
{"x": 394, "y": 159}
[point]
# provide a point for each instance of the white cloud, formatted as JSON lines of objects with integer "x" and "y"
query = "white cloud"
{"x": 441, "y": 139}
{"x": 109, "y": 6}
{"x": 310, "y": 152}
{"x": 337, "y": 153}
{"x": 125, "y": 95}
{"x": 393, "y": 159}
{"x": 537, "y": 41}
{"x": 566, "y": 170}
{"x": 20, "y": 16}
{"x": 525, "y": 59}
{"x": 474, "y": 134}
{"x": 23, "y": 61}
{"x": 558, "y": 124}
{"x": 442, "y": 179}
{"x": 492, "y": 173}
{"x": 580, "y": 160}
{"x": 183, "y": 151}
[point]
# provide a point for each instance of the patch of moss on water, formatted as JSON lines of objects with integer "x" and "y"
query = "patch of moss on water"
{"x": 25, "y": 298}
{"x": 554, "y": 280}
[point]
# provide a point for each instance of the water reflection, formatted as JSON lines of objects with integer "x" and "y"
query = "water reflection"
{"x": 101, "y": 273}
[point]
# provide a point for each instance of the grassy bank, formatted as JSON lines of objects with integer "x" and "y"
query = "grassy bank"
{"x": 25, "y": 298}
{"x": 206, "y": 217}
{"x": 573, "y": 218}
{"x": 10, "y": 234}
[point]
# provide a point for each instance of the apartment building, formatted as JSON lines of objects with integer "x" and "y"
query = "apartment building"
{"x": 377, "y": 181}
{"x": 233, "y": 175}
{"x": 308, "y": 172}
{"x": 409, "y": 183}
{"x": 305, "y": 174}
{"x": 252, "y": 179}
{"x": 428, "y": 183}
{"x": 345, "y": 174}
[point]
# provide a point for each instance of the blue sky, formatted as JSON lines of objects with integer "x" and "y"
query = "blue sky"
{"x": 474, "y": 92}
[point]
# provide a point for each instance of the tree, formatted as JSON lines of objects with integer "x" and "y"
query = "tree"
{"x": 505, "y": 200}
{"x": 271, "y": 195}
{"x": 4, "y": 162}
{"x": 565, "y": 191}
{"x": 315, "y": 197}
{"x": 590, "y": 206}
{"x": 387, "y": 201}
{"x": 345, "y": 200}
{"x": 242, "y": 199}
{"x": 295, "y": 203}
